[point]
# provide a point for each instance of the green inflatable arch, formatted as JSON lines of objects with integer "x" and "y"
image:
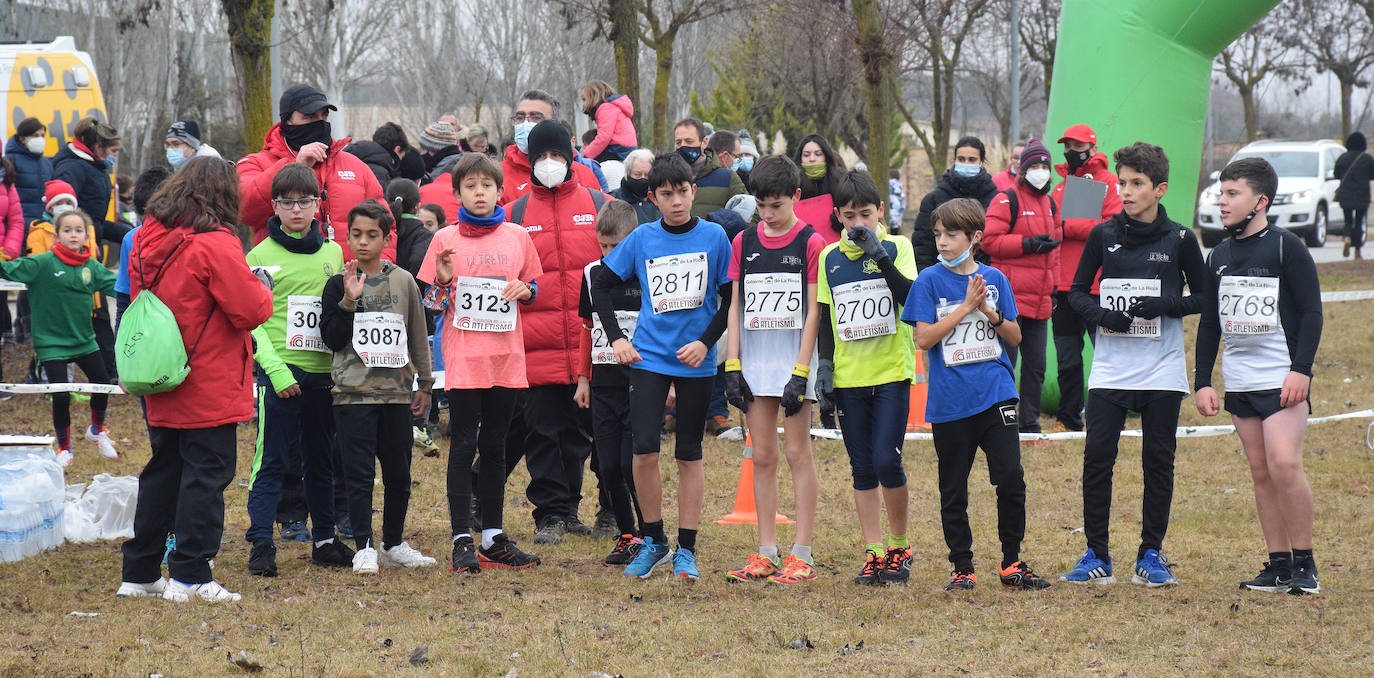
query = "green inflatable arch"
{"x": 1140, "y": 70}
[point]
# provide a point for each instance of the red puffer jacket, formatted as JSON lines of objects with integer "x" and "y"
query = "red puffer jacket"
{"x": 440, "y": 192}
{"x": 1076, "y": 230}
{"x": 515, "y": 180}
{"x": 206, "y": 277}
{"x": 346, "y": 181}
{"x": 1033, "y": 276}
{"x": 562, "y": 224}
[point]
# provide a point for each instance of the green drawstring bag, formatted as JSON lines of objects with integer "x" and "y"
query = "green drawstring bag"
{"x": 149, "y": 352}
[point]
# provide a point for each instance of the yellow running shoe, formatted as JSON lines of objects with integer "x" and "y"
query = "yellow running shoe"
{"x": 758, "y": 568}
{"x": 794, "y": 571}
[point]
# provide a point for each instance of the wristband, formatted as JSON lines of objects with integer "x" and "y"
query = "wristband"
{"x": 1000, "y": 319}
{"x": 800, "y": 370}
{"x": 732, "y": 365}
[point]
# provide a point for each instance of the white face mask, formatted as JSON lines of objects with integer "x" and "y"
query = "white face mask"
{"x": 36, "y": 145}
{"x": 60, "y": 209}
{"x": 550, "y": 172}
{"x": 1038, "y": 177}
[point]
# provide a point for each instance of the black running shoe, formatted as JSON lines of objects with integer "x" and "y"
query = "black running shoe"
{"x": 262, "y": 560}
{"x": 1304, "y": 578}
{"x": 961, "y": 580}
{"x": 333, "y": 554}
{"x": 551, "y": 531}
{"x": 873, "y": 565}
{"x": 464, "y": 557}
{"x": 626, "y": 548}
{"x": 504, "y": 554}
{"x": 896, "y": 566}
{"x": 1018, "y": 575}
{"x": 605, "y": 527}
{"x": 574, "y": 525}
{"x": 1274, "y": 578}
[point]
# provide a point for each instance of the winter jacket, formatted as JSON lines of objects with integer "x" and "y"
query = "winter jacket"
{"x": 516, "y": 180}
{"x": 1033, "y": 276}
{"x": 391, "y": 291}
{"x": 978, "y": 187}
{"x": 345, "y": 180}
{"x": 1004, "y": 179}
{"x": 378, "y": 158}
{"x": 433, "y": 159}
{"x": 595, "y": 167}
{"x": 443, "y": 169}
{"x": 1354, "y": 169}
{"x": 441, "y": 193}
{"x": 614, "y": 125}
{"x": 75, "y": 165}
{"x": 61, "y": 293}
{"x": 562, "y": 224}
{"x": 11, "y": 223}
{"x": 1076, "y": 230}
{"x": 31, "y": 172}
{"x": 645, "y": 211}
{"x": 206, "y": 285}
{"x": 811, "y": 188}
{"x": 715, "y": 186}
{"x": 412, "y": 241}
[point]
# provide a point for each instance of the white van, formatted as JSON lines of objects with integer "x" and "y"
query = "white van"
{"x": 1305, "y": 203}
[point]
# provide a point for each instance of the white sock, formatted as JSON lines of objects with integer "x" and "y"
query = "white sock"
{"x": 769, "y": 552}
{"x": 803, "y": 552}
{"x": 322, "y": 543}
{"x": 488, "y": 536}
{"x": 456, "y": 537}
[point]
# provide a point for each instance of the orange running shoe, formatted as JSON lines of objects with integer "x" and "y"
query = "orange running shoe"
{"x": 758, "y": 568}
{"x": 961, "y": 580}
{"x": 794, "y": 571}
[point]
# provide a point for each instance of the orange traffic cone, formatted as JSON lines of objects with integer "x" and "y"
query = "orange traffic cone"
{"x": 745, "y": 512}
{"x": 916, "y": 412}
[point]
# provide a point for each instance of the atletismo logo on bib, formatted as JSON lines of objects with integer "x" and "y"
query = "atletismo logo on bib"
{"x": 976, "y": 353}
{"x": 303, "y": 343}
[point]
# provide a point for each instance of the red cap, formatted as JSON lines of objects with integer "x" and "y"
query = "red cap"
{"x": 1081, "y": 133}
{"x": 55, "y": 189}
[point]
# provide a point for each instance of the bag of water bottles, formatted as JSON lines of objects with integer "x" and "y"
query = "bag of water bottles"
{"x": 105, "y": 510}
{"x": 31, "y": 506}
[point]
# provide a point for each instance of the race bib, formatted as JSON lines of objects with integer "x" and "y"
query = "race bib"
{"x": 602, "y": 353}
{"x": 303, "y": 324}
{"x": 1248, "y": 304}
{"x": 677, "y": 282}
{"x": 863, "y": 309}
{"x": 1119, "y": 294}
{"x": 973, "y": 340}
{"x": 478, "y": 307}
{"x": 380, "y": 339}
{"x": 773, "y": 301}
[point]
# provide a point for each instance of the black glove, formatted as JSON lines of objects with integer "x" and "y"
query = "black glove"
{"x": 794, "y": 393}
{"x": 867, "y": 241}
{"x": 1040, "y": 244}
{"x": 1116, "y": 321}
{"x": 737, "y": 390}
{"x": 1150, "y": 308}
{"x": 825, "y": 384}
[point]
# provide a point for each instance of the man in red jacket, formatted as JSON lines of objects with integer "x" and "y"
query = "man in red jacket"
{"x": 1083, "y": 160}
{"x": 535, "y": 106}
{"x": 304, "y": 136}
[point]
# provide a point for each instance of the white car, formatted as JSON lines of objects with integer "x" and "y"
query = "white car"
{"x": 1305, "y": 203}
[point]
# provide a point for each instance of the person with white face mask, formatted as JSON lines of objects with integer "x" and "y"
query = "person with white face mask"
{"x": 1022, "y": 239}
{"x": 534, "y": 107}
{"x": 31, "y": 169}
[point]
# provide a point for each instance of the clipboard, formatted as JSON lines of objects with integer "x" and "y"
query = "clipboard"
{"x": 1083, "y": 199}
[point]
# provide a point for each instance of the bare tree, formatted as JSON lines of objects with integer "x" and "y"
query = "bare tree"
{"x": 1039, "y": 30}
{"x": 1338, "y": 38}
{"x": 987, "y": 73}
{"x": 1258, "y": 56}
{"x": 662, "y": 22}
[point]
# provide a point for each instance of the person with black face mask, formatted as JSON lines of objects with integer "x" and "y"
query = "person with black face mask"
{"x": 304, "y": 136}
{"x": 634, "y": 188}
{"x": 716, "y": 183}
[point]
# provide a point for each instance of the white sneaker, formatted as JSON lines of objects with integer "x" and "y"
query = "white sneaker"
{"x": 129, "y": 589}
{"x": 402, "y": 555}
{"x": 210, "y": 592}
{"x": 365, "y": 561}
{"x": 102, "y": 442}
{"x": 64, "y": 457}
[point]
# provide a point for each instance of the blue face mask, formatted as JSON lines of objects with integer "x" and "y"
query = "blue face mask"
{"x": 175, "y": 158}
{"x": 954, "y": 263}
{"x": 522, "y": 136}
{"x": 966, "y": 170}
{"x": 746, "y": 164}
{"x": 110, "y": 161}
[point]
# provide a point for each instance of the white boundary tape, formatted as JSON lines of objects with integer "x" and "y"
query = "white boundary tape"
{"x": 11, "y": 286}
{"x": 26, "y": 389}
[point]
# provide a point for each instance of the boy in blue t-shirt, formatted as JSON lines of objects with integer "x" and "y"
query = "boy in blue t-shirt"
{"x": 960, "y": 310}
{"x": 681, "y": 263}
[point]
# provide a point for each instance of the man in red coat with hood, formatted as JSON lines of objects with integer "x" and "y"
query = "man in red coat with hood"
{"x": 535, "y": 106}
{"x": 303, "y": 135}
{"x": 1083, "y": 160}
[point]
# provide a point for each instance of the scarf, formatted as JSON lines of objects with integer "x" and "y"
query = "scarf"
{"x": 854, "y": 251}
{"x": 69, "y": 257}
{"x": 475, "y": 227}
{"x": 309, "y": 242}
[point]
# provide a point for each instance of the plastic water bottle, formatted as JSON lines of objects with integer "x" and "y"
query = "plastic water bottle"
{"x": 31, "y": 495}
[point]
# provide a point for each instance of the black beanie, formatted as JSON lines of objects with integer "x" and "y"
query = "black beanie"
{"x": 412, "y": 166}
{"x": 549, "y": 135}
{"x": 1356, "y": 142}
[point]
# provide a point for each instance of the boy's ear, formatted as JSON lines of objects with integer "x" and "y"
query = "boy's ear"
{"x": 1160, "y": 189}
{"x": 653, "y": 198}
{"x": 796, "y": 196}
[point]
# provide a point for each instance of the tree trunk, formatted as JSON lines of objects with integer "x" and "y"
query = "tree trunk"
{"x": 1249, "y": 106}
{"x": 877, "y": 83}
{"x": 1347, "y": 88}
{"x": 250, "y": 30}
{"x": 663, "y": 52}
{"x": 625, "y": 39}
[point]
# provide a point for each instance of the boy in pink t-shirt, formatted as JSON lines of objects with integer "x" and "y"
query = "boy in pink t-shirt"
{"x": 480, "y": 271}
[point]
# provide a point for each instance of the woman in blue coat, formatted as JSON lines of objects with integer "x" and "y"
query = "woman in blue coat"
{"x": 31, "y": 169}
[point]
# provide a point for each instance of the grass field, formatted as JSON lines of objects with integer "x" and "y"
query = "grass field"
{"x": 576, "y": 617}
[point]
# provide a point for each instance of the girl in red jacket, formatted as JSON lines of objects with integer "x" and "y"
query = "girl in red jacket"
{"x": 190, "y": 254}
{"x": 1022, "y": 238}
{"x": 615, "y": 127}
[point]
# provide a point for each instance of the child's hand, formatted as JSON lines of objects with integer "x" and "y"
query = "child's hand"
{"x": 443, "y": 266}
{"x": 625, "y": 353}
{"x": 290, "y": 391}
{"x": 692, "y": 354}
{"x": 516, "y": 290}
{"x": 583, "y": 395}
{"x": 353, "y": 280}
{"x": 671, "y": 401}
{"x": 419, "y": 403}
{"x": 988, "y": 309}
{"x": 977, "y": 293}
{"x": 1208, "y": 405}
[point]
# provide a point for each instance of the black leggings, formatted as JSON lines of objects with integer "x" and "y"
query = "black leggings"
{"x": 478, "y": 422}
{"x": 614, "y": 453}
{"x": 648, "y": 393}
{"x": 1354, "y": 224}
{"x": 93, "y": 366}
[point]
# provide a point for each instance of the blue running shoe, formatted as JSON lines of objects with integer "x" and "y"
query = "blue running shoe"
{"x": 1153, "y": 571}
{"x": 1090, "y": 568}
{"x": 295, "y": 531}
{"x": 685, "y": 564}
{"x": 650, "y": 556}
